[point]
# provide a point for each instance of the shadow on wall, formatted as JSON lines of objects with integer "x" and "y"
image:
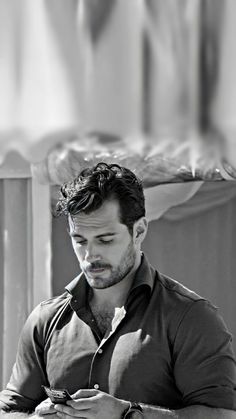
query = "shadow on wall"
{"x": 64, "y": 263}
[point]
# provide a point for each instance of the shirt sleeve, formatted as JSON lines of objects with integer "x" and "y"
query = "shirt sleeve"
{"x": 204, "y": 363}
{"x": 24, "y": 391}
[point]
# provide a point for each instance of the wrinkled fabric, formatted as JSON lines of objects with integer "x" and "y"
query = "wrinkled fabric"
{"x": 167, "y": 347}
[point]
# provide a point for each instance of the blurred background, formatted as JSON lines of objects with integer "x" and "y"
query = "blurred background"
{"x": 148, "y": 84}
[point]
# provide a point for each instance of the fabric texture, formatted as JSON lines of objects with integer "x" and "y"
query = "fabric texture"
{"x": 115, "y": 62}
{"x": 167, "y": 347}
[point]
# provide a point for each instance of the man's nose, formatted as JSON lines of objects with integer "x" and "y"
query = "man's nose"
{"x": 91, "y": 253}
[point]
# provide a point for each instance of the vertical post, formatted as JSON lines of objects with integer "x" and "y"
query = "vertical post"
{"x": 1, "y": 277}
{"x": 16, "y": 266}
{"x": 41, "y": 243}
{"x": 26, "y": 257}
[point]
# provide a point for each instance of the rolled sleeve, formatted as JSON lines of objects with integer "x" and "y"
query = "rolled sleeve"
{"x": 204, "y": 363}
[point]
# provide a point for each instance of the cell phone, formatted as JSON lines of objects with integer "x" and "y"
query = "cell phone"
{"x": 59, "y": 396}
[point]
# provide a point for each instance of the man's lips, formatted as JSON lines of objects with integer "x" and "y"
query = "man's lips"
{"x": 97, "y": 269}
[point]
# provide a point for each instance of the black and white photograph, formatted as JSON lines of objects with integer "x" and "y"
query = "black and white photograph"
{"x": 118, "y": 209}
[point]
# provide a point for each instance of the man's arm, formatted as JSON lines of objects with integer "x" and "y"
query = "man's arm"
{"x": 6, "y": 414}
{"x": 192, "y": 412}
{"x": 92, "y": 403}
{"x": 19, "y": 415}
{"x": 151, "y": 412}
{"x": 24, "y": 391}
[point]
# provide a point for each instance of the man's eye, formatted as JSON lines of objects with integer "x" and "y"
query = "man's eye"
{"x": 104, "y": 241}
{"x": 81, "y": 243}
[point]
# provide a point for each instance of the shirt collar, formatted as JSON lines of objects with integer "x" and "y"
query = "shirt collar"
{"x": 144, "y": 276}
{"x": 78, "y": 288}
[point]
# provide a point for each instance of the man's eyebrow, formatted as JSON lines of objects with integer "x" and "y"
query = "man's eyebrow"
{"x": 105, "y": 235}
{"x": 77, "y": 235}
{"x": 73, "y": 234}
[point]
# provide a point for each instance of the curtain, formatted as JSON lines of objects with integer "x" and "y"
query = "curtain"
{"x": 67, "y": 67}
{"x": 222, "y": 105}
{"x": 155, "y": 73}
{"x": 210, "y": 195}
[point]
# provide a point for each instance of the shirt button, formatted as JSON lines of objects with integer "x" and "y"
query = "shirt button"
{"x": 100, "y": 351}
{"x": 96, "y": 386}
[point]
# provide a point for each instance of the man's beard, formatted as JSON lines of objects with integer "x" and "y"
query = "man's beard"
{"x": 117, "y": 274}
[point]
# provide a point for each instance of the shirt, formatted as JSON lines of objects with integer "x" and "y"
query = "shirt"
{"x": 168, "y": 347}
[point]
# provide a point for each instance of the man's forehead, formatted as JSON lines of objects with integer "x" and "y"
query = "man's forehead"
{"x": 78, "y": 222}
{"x": 106, "y": 215}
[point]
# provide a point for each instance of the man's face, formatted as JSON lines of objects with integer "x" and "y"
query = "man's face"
{"x": 103, "y": 246}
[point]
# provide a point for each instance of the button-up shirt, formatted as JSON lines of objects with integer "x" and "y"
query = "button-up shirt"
{"x": 167, "y": 347}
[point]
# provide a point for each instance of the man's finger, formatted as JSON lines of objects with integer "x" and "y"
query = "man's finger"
{"x": 70, "y": 411}
{"x": 81, "y": 404}
{"x": 90, "y": 392}
{"x": 44, "y": 408}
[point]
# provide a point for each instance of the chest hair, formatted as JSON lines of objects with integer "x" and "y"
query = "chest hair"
{"x": 103, "y": 317}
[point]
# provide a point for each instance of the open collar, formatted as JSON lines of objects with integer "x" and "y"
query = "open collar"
{"x": 144, "y": 277}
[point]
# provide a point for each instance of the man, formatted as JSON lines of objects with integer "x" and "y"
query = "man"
{"x": 124, "y": 340}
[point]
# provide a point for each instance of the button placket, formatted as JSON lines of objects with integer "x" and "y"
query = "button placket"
{"x": 100, "y": 350}
{"x": 96, "y": 355}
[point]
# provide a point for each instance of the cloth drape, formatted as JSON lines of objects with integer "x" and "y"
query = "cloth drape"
{"x": 210, "y": 195}
{"x": 147, "y": 69}
{"x": 63, "y": 71}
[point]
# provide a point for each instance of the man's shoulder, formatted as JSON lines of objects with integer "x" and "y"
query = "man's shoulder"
{"x": 56, "y": 301}
{"x": 48, "y": 309}
{"x": 176, "y": 302}
{"x": 175, "y": 299}
{"x": 45, "y": 316}
{"x": 55, "y": 304}
{"x": 176, "y": 290}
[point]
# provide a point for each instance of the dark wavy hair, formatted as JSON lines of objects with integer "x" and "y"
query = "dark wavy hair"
{"x": 88, "y": 191}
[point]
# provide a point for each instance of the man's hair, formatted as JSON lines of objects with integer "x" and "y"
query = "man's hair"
{"x": 88, "y": 191}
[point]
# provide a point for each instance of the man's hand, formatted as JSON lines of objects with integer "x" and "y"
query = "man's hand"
{"x": 92, "y": 404}
{"x": 46, "y": 408}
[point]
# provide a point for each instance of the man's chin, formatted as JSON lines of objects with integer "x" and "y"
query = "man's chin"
{"x": 98, "y": 279}
{"x": 101, "y": 282}
{"x": 98, "y": 285}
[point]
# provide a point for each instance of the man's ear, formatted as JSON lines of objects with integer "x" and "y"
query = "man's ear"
{"x": 140, "y": 230}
